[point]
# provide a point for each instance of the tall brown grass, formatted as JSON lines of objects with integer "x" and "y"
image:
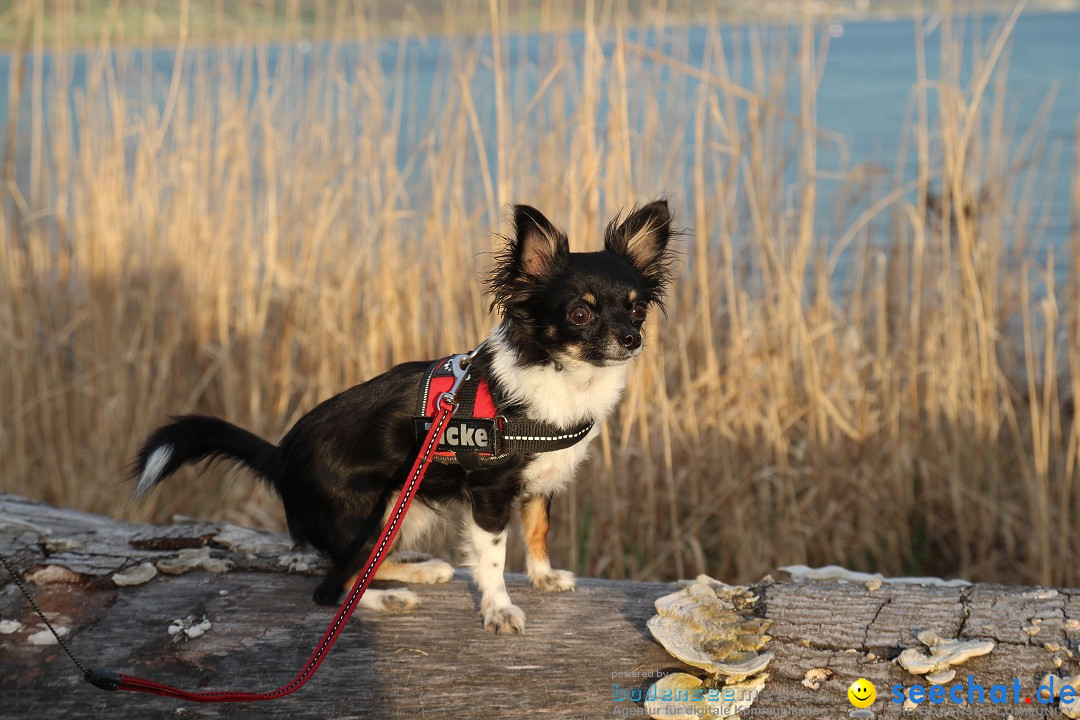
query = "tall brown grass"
{"x": 248, "y": 258}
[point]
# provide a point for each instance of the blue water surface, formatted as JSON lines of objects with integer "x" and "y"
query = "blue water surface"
{"x": 865, "y": 96}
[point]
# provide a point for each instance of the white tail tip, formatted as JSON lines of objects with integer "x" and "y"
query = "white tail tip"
{"x": 155, "y": 465}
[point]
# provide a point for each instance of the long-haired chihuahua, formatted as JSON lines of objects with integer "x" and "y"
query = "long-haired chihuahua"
{"x": 553, "y": 368}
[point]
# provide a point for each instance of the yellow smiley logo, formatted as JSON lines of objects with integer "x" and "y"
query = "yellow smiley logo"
{"x": 862, "y": 693}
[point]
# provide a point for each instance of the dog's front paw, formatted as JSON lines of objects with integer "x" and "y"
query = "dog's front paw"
{"x": 554, "y": 581}
{"x": 389, "y": 601}
{"x": 507, "y": 619}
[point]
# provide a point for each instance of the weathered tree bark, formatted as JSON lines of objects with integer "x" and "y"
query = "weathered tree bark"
{"x": 438, "y": 661}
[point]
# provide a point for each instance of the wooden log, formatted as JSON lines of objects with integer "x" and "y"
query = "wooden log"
{"x": 438, "y": 661}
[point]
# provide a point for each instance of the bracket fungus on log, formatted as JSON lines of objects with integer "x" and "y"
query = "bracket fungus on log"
{"x": 709, "y": 625}
{"x": 1064, "y": 689}
{"x": 936, "y": 664}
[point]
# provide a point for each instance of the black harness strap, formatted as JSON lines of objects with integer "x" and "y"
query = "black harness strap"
{"x": 534, "y": 436}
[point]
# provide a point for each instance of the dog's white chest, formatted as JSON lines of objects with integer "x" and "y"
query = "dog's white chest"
{"x": 565, "y": 397}
{"x": 550, "y": 472}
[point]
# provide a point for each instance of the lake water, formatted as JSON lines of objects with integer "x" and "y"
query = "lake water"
{"x": 865, "y": 95}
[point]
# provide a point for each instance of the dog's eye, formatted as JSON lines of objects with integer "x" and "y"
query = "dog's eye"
{"x": 580, "y": 315}
{"x": 638, "y": 312}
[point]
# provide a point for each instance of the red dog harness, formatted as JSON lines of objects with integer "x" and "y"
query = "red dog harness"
{"x": 479, "y": 435}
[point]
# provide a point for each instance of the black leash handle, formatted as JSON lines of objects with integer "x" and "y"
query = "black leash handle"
{"x": 26, "y": 593}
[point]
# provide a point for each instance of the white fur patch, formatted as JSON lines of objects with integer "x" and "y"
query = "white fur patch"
{"x": 578, "y": 392}
{"x": 417, "y": 525}
{"x": 487, "y": 556}
{"x": 392, "y": 601}
{"x": 549, "y": 473}
{"x": 155, "y": 465}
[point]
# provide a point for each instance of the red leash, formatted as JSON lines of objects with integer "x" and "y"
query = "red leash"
{"x": 109, "y": 680}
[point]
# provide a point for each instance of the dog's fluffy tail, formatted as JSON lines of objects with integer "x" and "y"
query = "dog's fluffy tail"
{"x": 191, "y": 438}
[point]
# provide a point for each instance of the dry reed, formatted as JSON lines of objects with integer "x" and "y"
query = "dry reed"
{"x": 216, "y": 244}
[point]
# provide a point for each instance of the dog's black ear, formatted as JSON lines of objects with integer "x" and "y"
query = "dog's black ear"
{"x": 533, "y": 252}
{"x": 642, "y": 238}
{"x": 538, "y": 246}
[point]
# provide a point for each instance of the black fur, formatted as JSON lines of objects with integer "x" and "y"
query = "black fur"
{"x": 338, "y": 467}
{"x": 643, "y": 239}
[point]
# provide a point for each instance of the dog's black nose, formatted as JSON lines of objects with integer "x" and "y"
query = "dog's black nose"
{"x": 631, "y": 340}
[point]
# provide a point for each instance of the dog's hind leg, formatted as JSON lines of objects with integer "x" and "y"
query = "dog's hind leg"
{"x": 415, "y": 527}
{"x": 400, "y": 599}
{"x": 416, "y": 524}
{"x": 330, "y": 591}
{"x": 394, "y": 600}
{"x": 349, "y": 556}
{"x": 425, "y": 571}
